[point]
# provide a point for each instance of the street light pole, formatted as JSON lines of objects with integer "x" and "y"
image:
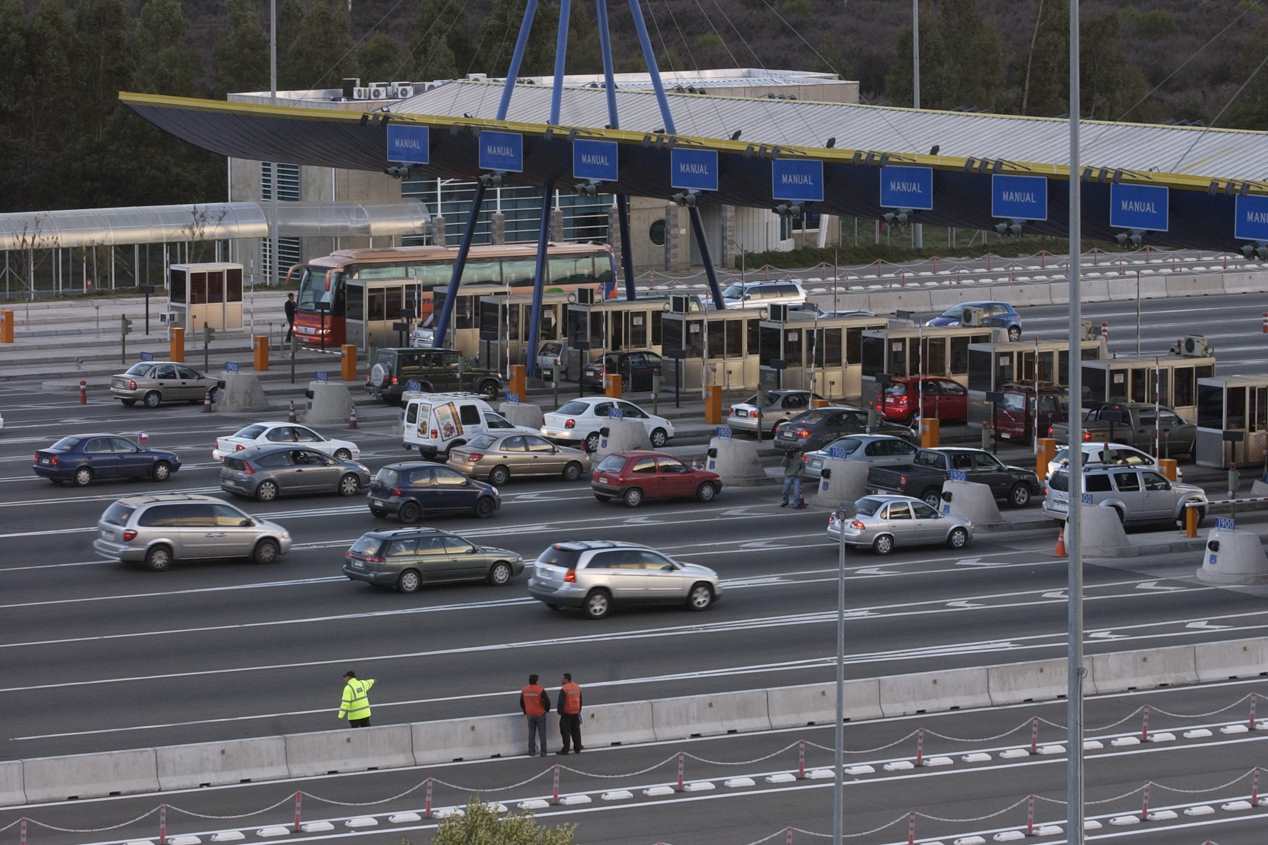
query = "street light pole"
{"x": 838, "y": 742}
{"x": 917, "y": 230}
{"x": 276, "y": 276}
{"x": 1137, "y": 313}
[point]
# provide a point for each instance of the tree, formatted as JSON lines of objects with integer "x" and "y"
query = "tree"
{"x": 431, "y": 54}
{"x": 104, "y": 62}
{"x": 1110, "y": 84}
{"x": 320, "y": 49}
{"x": 960, "y": 65}
{"x": 480, "y": 825}
{"x": 1045, "y": 89}
{"x": 379, "y": 58}
{"x": 242, "y": 52}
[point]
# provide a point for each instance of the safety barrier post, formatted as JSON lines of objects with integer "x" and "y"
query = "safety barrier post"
{"x": 261, "y": 352}
{"x": 554, "y": 786}
{"x": 1047, "y": 448}
{"x": 1168, "y": 467}
{"x": 6, "y": 326}
{"x": 22, "y": 831}
{"x": 427, "y": 814}
{"x": 519, "y": 382}
{"x": 911, "y": 829}
{"x": 83, "y": 391}
{"x": 176, "y": 343}
{"x": 788, "y": 836}
{"x": 679, "y": 786}
{"x": 1034, "y": 735}
{"x": 1030, "y": 816}
{"x": 1252, "y": 722}
{"x": 1190, "y": 521}
{"x": 1254, "y": 787}
{"x": 801, "y": 760}
{"x": 1144, "y": 724}
{"x": 1265, "y": 324}
{"x": 162, "y": 824}
{"x": 299, "y": 803}
{"x": 920, "y": 747}
{"x": 713, "y": 405}
{"x": 1144, "y": 805}
{"x": 348, "y": 366}
{"x": 930, "y": 431}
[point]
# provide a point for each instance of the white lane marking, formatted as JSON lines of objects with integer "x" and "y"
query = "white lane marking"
{"x": 256, "y": 585}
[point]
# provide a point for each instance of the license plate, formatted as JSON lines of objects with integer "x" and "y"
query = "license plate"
{"x": 356, "y": 564}
{"x": 44, "y": 460}
{"x": 106, "y": 534}
{"x": 741, "y": 413}
{"x": 377, "y": 503}
{"x": 603, "y": 479}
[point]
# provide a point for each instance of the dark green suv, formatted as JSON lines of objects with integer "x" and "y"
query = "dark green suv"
{"x": 396, "y": 370}
{"x": 411, "y": 557}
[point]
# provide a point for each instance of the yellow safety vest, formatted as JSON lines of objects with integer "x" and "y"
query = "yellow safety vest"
{"x": 356, "y": 699}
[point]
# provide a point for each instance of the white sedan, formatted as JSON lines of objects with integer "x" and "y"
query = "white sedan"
{"x": 264, "y": 433}
{"x": 1108, "y": 453}
{"x": 578, "y": 422}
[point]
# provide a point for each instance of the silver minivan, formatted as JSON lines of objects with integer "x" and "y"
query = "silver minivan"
{"x": 1138, "y": 496}
{"x": 157, "y": 530}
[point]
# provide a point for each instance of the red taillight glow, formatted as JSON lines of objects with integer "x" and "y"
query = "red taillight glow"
{"x": 1087, "y": 436}
{"x": 396, "y": 491}
{"x": 238, "y": 447}
{"x": 129, "y": 536}
{"x": 247, "y": 469}
{"x": 571, "y": 576}
{"x": 131, "y": 384}
{"x": 857, "y": 525}
{"x": 394, "y": 380}
{"x": 902, "y": 481}
{"x": 570, "y": 423}
{"x": 802, "y": 433}
{"x": 475, "y": 457}
{"x": 1050, "y": 431}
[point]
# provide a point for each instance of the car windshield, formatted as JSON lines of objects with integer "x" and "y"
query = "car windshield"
{"x": 387, "y": 477}
{"x": 954, "y": 312}
{"x": 896, "y": 390}
{"x": 65, "y": 444}
{"x": 481, "y": 441}
{"x": 573, "y": 408}
{"x": 139, "y": 369}
{"x": 929, "y": 459}
{"x": 810, "y": 418}
{"x": 117, "y": 514}
{"x": 612, "y": 463}
{"x": 366, "y": 545}
{"x": 1059, "y": 481}
{"x": 250, "y": 432}
{"x": 867, "y": 505}
{"x": 733, "y": 292}
{"x": 556, "y": 556}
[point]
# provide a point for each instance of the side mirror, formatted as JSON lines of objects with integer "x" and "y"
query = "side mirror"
{"x": 246, "y": 523}
{"x": 713, "y": 452}
{"x": 825, "y": 473}
{"x": 604, "y": 432}
{"x": 946, "y": 495}
{"x": 1213, "y": 546}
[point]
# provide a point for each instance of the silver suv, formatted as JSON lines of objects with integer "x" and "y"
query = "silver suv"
{"x": 1138, "y": 496}
{"x": 596, "y": 574}
{"x": 157, "y": 530}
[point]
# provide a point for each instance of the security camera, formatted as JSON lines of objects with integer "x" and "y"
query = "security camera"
{"x": 491, "y": 180}
{"x": 685, "y": 198}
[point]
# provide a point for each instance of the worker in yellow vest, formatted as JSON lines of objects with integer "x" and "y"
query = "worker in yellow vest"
{"x": 569, "y": 708}
{"x": 355, "y": 706}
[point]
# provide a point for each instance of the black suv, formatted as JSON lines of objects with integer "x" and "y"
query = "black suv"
{"x": 816, "y": 428}
{"x": 636, "y": 368}
{"x": 429, "y": 370}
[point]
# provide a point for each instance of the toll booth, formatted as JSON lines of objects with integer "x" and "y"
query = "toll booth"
{"x": 205, "y": 295}
{"x": 998, "y": 363}
{"x": 380, "y": 312}
{"x": 615, "y": 324}
{"x": 1169, "y": 380}
{"x": 906, "y": 349}
{"x": 715, "y": 348}
{"x": 504, "y": 323}
{"x": 1232, "y": 421}
{"x": 799, "y": 349}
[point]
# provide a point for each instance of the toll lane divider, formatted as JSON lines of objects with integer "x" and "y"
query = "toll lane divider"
{"x": 424, "y": 743}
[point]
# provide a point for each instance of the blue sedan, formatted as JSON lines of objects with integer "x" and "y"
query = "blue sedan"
{"x": 997, "y": 315}
{"x": 83, "y": 458}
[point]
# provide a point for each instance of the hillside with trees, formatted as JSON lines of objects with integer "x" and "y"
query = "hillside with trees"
{"x": 66, "y": 143}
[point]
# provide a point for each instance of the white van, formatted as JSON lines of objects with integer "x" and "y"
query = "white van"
{"x": 433, "y": 422}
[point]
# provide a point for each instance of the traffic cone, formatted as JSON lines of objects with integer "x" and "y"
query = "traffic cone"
{"x": 207, "y": 403}
{"x": 1060, "y": 549}
{"x": 352, "y": 418}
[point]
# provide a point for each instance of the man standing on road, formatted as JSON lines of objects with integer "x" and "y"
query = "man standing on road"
{"x": 792, "y": 480}
{"x": 535, "y": 704}
{"x": 289, "y": 307}
{"x": 569, "y": 707}
{"x": 355, "y": 706}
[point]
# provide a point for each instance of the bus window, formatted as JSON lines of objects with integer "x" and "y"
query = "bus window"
{"x": 518, "y": 273}
{"x": 603, "y": 269}
{"x": 482, "y": 271}
{"x": 569, "y": 270}
{"x": 312, "y": 288}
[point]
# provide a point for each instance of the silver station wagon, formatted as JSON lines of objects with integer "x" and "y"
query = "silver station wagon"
{"x": 888, "y": 522}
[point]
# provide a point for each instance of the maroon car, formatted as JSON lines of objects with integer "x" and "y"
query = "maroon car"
{"x": 636, "y": 477}
{"x": 943, "y": 398}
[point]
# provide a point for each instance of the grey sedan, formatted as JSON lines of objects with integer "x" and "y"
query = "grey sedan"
{"x": 266, "y": 472}
{"x": 886, "y": 522}
{"x": 875, "y": 449}
{"x": 769, "y": 408}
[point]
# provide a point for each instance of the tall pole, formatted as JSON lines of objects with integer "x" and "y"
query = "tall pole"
{"x": 1137, "y": 313}
{"x": 917, "y": 230}
{"x": 1074, "y": 520}
{"x": 622, "y": 200}
{"x": 276, "y": 275}
{"x": 838, "y": 741}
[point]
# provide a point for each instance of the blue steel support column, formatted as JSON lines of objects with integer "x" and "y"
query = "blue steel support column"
{"x": 622, "y": 200}
{"x": 627, "y": 254}
{"x": 460, "y": 262}
{"x": 649, "y": 58}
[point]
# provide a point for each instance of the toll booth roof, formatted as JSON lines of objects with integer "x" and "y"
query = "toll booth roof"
{"x": 653, "y": 303}
{"x": 1235, "y": 381}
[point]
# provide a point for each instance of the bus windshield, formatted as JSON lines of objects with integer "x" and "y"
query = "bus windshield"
{"x": 312, "y": 288}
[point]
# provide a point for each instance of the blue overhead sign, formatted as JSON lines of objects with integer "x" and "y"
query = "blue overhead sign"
{"x": 595, "y": 160}
{"x": 501, "y": 151}
{"x": 1252, "y": 219}
{"x": 904, "y": 186}
{"x": 408, "y": 144}
{"x": 796, "y": 179}
{"x": 695, "y": 170}
{"x": 1143, "y": 208}
{"x": 1019, "y": 197}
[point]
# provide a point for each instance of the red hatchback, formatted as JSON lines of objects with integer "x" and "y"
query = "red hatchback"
{"x": 636, "y": 477}
{"x": 944, "y": 399}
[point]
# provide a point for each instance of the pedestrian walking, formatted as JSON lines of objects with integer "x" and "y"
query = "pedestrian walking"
{"x": 569, "y": 707}
{"x": 792, "y": 480}
{"x": 355, "y": 706}
{"x": 535, "y": 704}
{"x": 289, "y": 308}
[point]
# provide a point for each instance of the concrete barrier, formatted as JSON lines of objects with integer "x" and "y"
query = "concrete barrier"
{"x": 623, "y": 436}
{"x": 1249, "y": 282}
{"x": 1103, "y": 535}
{"x": 973, "y": 501}
{"x": 1240, "y": 558}
{"x": 1231, "y": 659}
{"x": 816, "y": 704}
{"x": 1095, "y": 290}
{"x": 90, "y": 775}
{"x": 951, "y": 689}
{"x": 522, "y": 413}
{"x": 1059, "y": 293}
{"x": 1206, "y": 284}
{"x": 841, "y": 483}
{"x": 711, "y": 714}
{"x": 735, "y": 461}
{"x": 1036, "y": 680}
{"x": 476, "y": 738}
{"x": 11, "y": 792}
{"x": 1258, "y": 488}
{"x": 899, "y": 300}
{"x": 1158, "y": 667}
{"x": 242, "y": 392}
{"x": 220, "y": 763}
{"x": 946, "y": 297}
{"x": 1031, "y": 295}
{"x": 613, "y": 724}
{"x": 331, "y": 403}
{"x": 349, "y": 750}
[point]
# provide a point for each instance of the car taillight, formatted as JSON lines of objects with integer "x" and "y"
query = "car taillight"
{"x": 238, "y": 447}
{"x": 131, "y": 384}
{"x": 1049, "y": 430}
{"x": 802, "y": 433}
{"x": 247, "y": 469}
{"x": 570, "y": 424}
{"x": 394, "y": 380}
{"x": 475, "y": 457}
{"x": 902, "y": 481}
{"x": 396, "y": 491}
{"x": 53, "y": 460}
{"x": 571, "y": 576}
{"x": 1087, "y": 436}
{"x": 129, "y": 536}
{"x": 857, "y": 525}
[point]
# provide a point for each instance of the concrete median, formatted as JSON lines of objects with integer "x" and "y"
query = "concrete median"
{"x": 1231, "y": 659}
{"x": 709, "y": 715}
{"x": 612, "y": 724}
{"x": 972, "y": 501}
{"x": 1127, "y": 670}
{"x": 90, "y": 775}
{"x": 841, "y": 483}
{"x": 349, "y": 750}
{"x": 11, "y": 791}
{"x": 476, "y": 738}
{"x": 1036, "y": 680}
{"x": 221, "y": 763}
{"x": 735, "y": 461}
{"x": 952, "y": 689}
{"x": 623, "y": 436}
{"x": 242, "y": 392}
{"x": 816, "y": 704}
{"x": 331, "y": 403}
{"x": 522, "y": 413}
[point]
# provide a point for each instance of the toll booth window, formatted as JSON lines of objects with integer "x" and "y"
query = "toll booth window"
{"x": 695, "y": 339}
{"x": 734, "y": 338}
{"x": 717, "y": 341}
{"x": 854, "y": 346}
{"x": 1028, "y": 366}
{"x": 1045, "y": 367}
{"x": 897, "y": 357}
{"x": 197, "y": 288}
{"x": 752, "y": 332}
{"x": 1158, "y": 387}
{"x": 550, "y": 323}
{"x": 671, "y": 340}
{"x": 914, "y": 364}
{"x": 233, "y": 278}
{"x": 598, "y": 337}
{"x": 980, "y": 369}
{"x": 375, "y": 307}
{"x": 490, "y": 321}
{"x": 769, "y": 344}
{"x": 872, "y": 353}
{"x": 176, "y": 285}
{"x": 394, "y": 302}
{"x": 216, "y": 287}
{"x": 960, "y": 355}
{"x": 1117, "y": 385}
{"x": 828, "y": 349}
{"x": 512, "y": 319}
{"x": 1140, "y": 384}
{"x": 936, "y": 356}
{"x": 577, "y": 321}
{"x": 464, "y": 310}
{"x": 1210, "y": 406}
{"x": 1063, "y": 368}
{"x": 793, "y": 344}
{"x": 1236, "y": 409}
{"x": 1094, "y": 384}
{"x": 1089, "y": 353}
{"x": 657, "y": 321}
{"x": 356, "y": 306}
{"x": 1261, "y": 410}
{"x": 637, "y": 332}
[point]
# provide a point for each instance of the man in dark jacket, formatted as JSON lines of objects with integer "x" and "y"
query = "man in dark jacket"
{"x": 535, "y": 704}
{"x": 289, "y": 307}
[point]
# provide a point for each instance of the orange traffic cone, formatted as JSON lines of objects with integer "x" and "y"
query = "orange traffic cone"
{"x": 1060, "y": 549}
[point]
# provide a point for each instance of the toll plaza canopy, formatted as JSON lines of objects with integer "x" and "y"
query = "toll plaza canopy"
{"x": 1165, "y": 185}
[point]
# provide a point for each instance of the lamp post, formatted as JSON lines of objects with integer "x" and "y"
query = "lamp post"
{"x": 273, "y": 164}
{"x": 917, "y": 230}
{"x": 838, "y": 741}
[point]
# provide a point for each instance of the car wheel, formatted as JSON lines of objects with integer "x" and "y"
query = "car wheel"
{"x": 484, "y": 507}
{"x": 161, "y": 471}
{"x": 409, "y": 581}
{"x": 83, "y": 477}
{"x": 958, "y": 538}
{"x": 572, "y": 471}
{"x": 598, "y": 604}
{"x": 632, "y": 497}
{"x": 706, "y": 491}
{"x": 601, "y": 498}
{"x": 933, "y": 498}
{"x": 266, "y": 551}
{"x": 489, "y": 390}
{"x": 500, "y": 574}
{"x": 1019, "y": 496}
{"x": 499, "y": 475}
{"x": 153, "y": 399}
{"x": 158, "y": 558}
{"x": 1122, "y": 517}
{"x": 342, "y": 455}
{"x": 349, "y": 485}
{"x": 266, "y": 492}
{"x": 659, "y": 438}
{"x": 700, "y": 597}
{"x": 410, "y": 512}
{"x": 1014, "y": 333}
{"x": 128, "y": 403}
{"x": 883, "y": 544}
{"x": 592, "y": 441}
